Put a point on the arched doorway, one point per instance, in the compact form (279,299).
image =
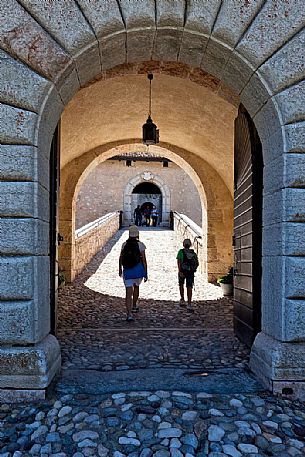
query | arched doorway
(147,187)
(147,195)
(268,79)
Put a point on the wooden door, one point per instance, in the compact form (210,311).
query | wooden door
(247,240)
(53,234)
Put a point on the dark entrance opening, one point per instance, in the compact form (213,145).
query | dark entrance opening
(147,194)
(53,227)
(146,188)
(248,199)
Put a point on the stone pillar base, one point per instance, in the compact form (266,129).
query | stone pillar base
(279,366)
(29,368)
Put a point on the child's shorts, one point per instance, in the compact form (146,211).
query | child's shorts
(132,282)
(188,278)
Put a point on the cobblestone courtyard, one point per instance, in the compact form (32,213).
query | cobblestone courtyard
(99,346)
(91,316)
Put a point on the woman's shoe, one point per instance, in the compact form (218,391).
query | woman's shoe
(190,309)
(129,319)
(182,302)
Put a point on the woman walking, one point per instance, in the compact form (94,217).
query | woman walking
(133,268)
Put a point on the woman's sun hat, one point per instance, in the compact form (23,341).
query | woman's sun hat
(133,231)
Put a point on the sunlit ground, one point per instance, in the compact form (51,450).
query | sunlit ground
(162,247)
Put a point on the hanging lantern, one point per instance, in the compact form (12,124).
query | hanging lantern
(150,131)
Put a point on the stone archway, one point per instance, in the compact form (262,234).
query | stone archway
(151,178)
(263,67)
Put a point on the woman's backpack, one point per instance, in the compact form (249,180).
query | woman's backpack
(190,260)
(131,254)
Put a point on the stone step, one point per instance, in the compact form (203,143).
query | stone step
(225,382)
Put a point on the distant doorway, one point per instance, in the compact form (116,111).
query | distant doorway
(147,195)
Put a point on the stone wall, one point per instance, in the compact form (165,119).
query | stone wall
(186,228)
(92,237)
(103,189)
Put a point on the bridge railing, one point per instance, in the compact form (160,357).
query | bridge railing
(187,228)
(91,237)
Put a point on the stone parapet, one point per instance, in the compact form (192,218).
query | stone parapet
(90,238)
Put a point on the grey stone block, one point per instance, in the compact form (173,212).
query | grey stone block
(292,103)
(17,163)
(273,360)
(22,396)
(17,125)
(48,119)
(113,50)
(272,240)
(287,66)
(30,367)
(294,239)
(68,88)
(138,14)
(104,17)
(295,137)
(140,45)
(237,73)
(255,94)
(295,320)
(16,278)
(192,48)
(274,25)
(64,21)
(41,310)
(167,44)
(268,120)
(234,19)
(19,85)
(24,237)
(294,205)
(23,163)
(215,58)
(273,175)
(170,13)
(273,147)
(273,295)
(295,279)
(200,16)
(22,36)
(24,199)
(88,63)
(283,239)
(273,208)
(294,170)
(16,322)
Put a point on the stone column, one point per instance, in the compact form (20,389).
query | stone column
(29,355)
(278,353)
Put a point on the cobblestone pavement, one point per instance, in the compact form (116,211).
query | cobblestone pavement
(91,316)
(160,424)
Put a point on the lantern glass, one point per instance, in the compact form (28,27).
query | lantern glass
(150,132)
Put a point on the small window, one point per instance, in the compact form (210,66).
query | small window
(165,164)
(128,163)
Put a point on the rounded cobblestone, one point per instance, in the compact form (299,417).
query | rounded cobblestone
(145,434)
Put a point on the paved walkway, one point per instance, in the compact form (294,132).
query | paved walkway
(91,315)
(102,408)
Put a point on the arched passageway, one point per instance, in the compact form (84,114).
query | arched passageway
(263,70)
(94,334)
